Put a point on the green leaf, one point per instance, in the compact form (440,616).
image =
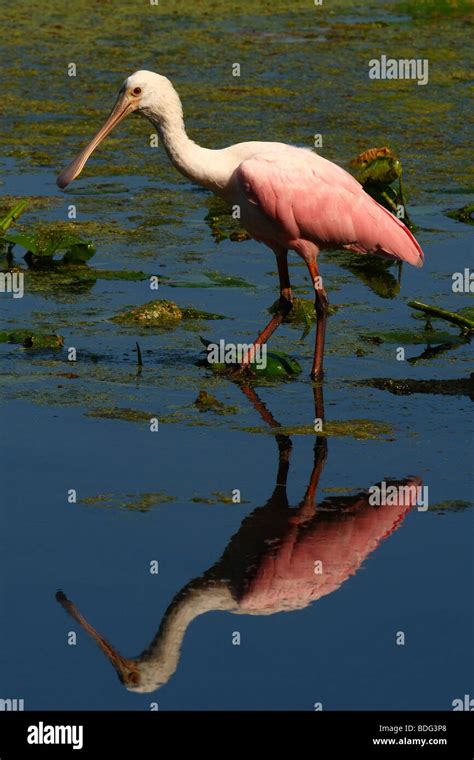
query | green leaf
(79,252)
(26,241)
(381,171)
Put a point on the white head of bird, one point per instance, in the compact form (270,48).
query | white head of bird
(144,92)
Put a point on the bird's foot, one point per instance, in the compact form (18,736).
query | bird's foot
(239,372)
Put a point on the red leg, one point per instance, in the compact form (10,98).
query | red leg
(321,306)
(284,306)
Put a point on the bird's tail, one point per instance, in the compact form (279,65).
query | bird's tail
(403,244)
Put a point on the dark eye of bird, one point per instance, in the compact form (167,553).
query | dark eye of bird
(137,90)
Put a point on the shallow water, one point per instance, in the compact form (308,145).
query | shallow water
(167,496)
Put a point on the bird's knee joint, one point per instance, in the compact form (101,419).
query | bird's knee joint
(285,304)
(321,304)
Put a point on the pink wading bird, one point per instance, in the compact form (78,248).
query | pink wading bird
(289,198)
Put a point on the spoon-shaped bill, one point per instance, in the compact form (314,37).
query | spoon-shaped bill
(122,107)
(127,669)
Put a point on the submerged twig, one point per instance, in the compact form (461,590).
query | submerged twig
(139,357)
(449,316)
(13,215)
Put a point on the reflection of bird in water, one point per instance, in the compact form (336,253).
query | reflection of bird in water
(281,559)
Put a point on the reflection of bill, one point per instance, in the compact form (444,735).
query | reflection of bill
(281,559)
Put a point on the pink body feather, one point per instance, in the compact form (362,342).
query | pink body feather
(306,198)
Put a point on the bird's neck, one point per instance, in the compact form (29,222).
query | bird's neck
(160,660)
(198,164)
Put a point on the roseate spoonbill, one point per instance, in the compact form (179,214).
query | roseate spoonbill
(269,564)
(289,198)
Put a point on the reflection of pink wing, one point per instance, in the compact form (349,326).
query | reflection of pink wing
(286,578)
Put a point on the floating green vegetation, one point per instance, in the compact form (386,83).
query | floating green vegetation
(132,275)
(453,505)
(190,313)
(302,311)
(117,413)
(206,402)
(458,386)
(48,240)
(31,338)
(426,9)
(59,277)
(141,502)
(161,313)
(214,280)
(414,338)
(217,497)
(222,224)
(46,273)
(362,430)
(464,214)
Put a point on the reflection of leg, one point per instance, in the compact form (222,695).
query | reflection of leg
(308,506)
(258,404)
(284,453)
(321,305)
(284,306)
(283,441)
(318,402)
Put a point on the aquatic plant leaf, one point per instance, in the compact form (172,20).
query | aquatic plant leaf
(464,214)
(78,252)
(47,245)
(367,156)
(381,171)
(19,238)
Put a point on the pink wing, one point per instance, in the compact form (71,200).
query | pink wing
(313,199)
